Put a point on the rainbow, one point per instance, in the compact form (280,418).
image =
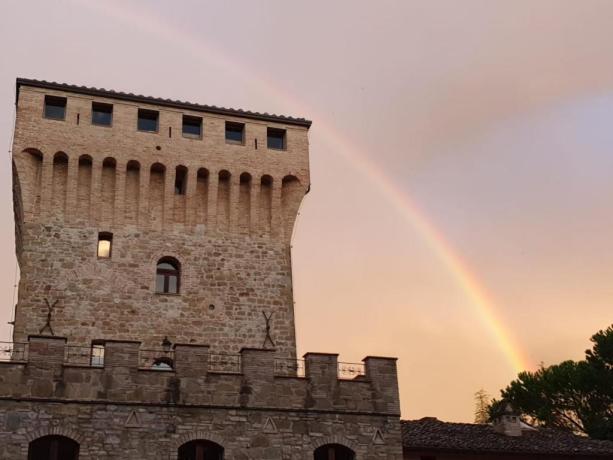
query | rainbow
(483,306)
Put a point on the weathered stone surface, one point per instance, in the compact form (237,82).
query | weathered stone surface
(230,232)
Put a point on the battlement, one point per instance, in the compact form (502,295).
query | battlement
(188,375)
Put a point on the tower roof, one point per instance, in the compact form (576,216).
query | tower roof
(102,92)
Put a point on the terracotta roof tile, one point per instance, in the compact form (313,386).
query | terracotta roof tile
(102,92)
(432,434)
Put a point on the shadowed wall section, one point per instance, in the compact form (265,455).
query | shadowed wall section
(202,196)
(84,189)
(244,204)
(60,179)
(223,201)
(109,168)
(265,208)
(132,192)
(157,185)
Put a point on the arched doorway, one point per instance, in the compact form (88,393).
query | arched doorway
(53,448)
(200,449)
(334,452)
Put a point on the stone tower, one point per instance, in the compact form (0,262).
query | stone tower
(155,315)
(213,191)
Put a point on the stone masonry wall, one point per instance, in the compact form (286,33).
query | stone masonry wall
(253,413)
(104,431)
(230,230)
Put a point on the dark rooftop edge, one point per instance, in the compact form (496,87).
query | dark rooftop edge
(430,434)
(101,92)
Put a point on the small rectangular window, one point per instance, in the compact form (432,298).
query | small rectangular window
(102,114)
(97,355)
(55,107)
(276,138)
(148,120)
(235,132)
(192,126)
(105,243)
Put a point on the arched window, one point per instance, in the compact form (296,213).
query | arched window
(200,449)
(334,452)
(53,448)
(168,276)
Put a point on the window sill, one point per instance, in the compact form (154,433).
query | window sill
(192,136)
(102,125)
(171,294)
(147,131)
(235,142)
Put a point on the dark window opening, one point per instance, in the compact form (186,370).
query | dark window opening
(102,114)
(97,355)
(105,245)
(180,180)
(276,138)
(192,126)
(53,448)
(334,452)
(235,132)
(201,450)
(167,276)
(148,120)
(55,107)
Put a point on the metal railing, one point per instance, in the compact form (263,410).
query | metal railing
(351,371)
(225,363)
(84,356)
(13,351)
(159,360)
(285,367)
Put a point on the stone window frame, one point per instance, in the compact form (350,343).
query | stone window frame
(235,124)
(192,118)
(105,236)
(144,111)
(167,274)
(53,97)
(102,105)
(272,130)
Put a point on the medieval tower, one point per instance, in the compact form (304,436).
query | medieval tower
(155,315)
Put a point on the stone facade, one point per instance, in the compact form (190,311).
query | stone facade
(103,359)
(230,230)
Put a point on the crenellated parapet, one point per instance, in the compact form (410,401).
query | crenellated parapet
(189,375)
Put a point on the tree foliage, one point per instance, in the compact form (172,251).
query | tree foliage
(573,395)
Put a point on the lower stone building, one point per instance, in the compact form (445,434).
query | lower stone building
(57,402)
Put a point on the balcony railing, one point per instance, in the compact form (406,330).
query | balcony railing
(225,363)
(289,367)
(13,351)
(84,356)
(159,360)
(351,371)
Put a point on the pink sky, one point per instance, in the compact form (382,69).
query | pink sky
(492,118)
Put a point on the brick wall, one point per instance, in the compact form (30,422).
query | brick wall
(230,230)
